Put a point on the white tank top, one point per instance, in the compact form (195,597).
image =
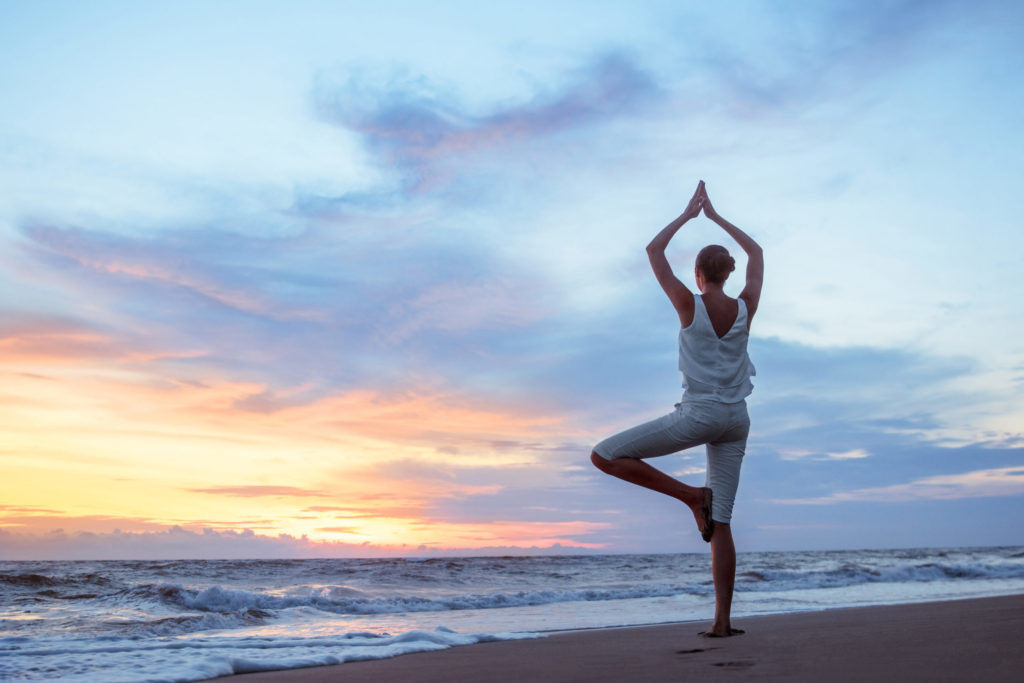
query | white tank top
(714,368)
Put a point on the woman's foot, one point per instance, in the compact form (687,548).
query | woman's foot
(701,510)
(722,633)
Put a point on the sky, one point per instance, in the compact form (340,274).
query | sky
(346,279)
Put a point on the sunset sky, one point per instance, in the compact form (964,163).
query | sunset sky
(326,278)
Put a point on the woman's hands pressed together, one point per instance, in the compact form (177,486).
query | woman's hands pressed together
(705,202)
(696,202)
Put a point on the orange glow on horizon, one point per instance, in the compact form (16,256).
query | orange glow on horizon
(95,446)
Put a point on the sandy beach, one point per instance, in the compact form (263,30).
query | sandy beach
(962,640)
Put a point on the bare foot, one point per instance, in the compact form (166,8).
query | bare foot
(722,633)
(702,514)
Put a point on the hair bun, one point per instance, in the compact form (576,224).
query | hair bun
(715,263)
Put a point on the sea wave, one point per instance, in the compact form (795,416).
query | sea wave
(345,600)
(179,608)
(172,659)
(187,623)
(226,600)
(851,574)
(32,580)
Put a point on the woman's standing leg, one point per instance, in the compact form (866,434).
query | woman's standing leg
(725,458)
(723,571)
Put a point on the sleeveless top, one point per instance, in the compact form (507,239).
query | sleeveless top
(713,368)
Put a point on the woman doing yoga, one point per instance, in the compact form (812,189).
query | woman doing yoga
(713,411)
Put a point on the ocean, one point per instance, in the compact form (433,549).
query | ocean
(195,619)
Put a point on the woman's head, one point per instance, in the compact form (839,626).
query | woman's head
(714,264)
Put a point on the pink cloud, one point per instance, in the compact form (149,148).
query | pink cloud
(123,260)
(175,542)
(259,491)
(1001,481)
(413,129)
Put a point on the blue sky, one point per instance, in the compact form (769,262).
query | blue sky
(368,279)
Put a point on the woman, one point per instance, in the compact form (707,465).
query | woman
(716,381)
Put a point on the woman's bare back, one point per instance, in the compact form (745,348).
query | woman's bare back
(722,310)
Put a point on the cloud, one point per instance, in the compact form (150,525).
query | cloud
(258,491)
(25,337)
(1002,481)
(854,454)
(416,128)
(458,307)
(47,523)
(305,314)
(802,56)
(182,260)
(10,510)
(271,401)
(175,542)
(837,401)
(338,510)
(798,453)
(30,337)
(427,418)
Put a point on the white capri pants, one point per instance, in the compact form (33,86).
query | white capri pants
(722,426)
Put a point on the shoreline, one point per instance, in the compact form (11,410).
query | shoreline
(582,629)
(954,640)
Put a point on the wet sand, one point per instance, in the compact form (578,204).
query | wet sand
(963,640)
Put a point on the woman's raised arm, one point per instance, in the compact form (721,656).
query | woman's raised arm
(678,293)
(751,293)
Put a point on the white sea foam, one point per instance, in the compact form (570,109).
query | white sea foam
(196,658)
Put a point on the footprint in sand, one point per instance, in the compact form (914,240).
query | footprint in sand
(734,665)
